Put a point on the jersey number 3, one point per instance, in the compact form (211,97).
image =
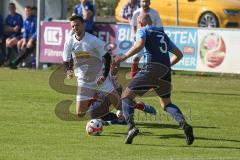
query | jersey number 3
(163,44)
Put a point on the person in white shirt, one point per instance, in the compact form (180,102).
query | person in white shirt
(156,21)
(91,65)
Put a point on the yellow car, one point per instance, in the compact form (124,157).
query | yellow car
(197,13)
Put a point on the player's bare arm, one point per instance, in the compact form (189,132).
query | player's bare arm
(177,56)
(138,46)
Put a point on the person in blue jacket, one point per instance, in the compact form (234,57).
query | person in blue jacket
(85,9)
(13,27)
(27,44)
(2,54)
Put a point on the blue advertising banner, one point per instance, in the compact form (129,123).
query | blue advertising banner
(123,39)
(186,39)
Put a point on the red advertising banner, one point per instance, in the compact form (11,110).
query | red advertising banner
(54,34)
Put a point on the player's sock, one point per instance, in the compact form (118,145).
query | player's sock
(27,52)
(175,112)
(145,108)
(117,121)
(128,111)
(93,106)
(134,69)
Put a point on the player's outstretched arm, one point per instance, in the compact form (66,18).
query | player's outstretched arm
(138,46)
(177,56)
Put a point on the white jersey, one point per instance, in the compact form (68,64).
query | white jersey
(87,55)
(156,21)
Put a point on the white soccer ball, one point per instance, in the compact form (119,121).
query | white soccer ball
(94,127)
(119,114)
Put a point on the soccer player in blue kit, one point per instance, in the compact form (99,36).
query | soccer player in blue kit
(155,74)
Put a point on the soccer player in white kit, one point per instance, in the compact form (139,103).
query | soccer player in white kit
(91,66)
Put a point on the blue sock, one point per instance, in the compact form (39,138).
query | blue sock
(128,111)
(175,112)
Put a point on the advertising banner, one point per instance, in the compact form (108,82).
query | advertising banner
(53,36)
(186,40)
(219,51)
(206,50)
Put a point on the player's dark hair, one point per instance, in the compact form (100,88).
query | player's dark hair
(76,17)
(28,7)
(34,8)
(12,4)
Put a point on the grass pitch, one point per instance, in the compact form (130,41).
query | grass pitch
(30,129)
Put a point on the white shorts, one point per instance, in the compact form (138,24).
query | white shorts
(86,90)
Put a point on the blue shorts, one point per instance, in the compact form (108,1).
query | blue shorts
(13,34)
(152,76)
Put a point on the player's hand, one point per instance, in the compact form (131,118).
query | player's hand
(15,29)
(69,74)
(118,59)
(100,80)
(30,43)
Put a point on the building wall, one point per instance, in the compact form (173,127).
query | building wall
(19,5)
(57,9)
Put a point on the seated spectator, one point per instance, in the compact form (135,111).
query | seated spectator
(85,9)
(2,54)
(128,9)
(1,28)
(13,26)
(27,44)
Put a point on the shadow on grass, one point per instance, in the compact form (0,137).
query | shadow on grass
(171,126)
(181,136)
(213,93)
(110,135)
(186,146)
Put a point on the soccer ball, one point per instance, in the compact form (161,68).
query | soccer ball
(94,127)
(119,114)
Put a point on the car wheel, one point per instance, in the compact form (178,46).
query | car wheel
(208,20)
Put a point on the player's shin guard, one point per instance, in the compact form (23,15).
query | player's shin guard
(175,112)
(128,111)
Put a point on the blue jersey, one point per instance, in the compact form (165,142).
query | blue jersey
(13,21)
(157,45)
(78,10)
(30,27)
